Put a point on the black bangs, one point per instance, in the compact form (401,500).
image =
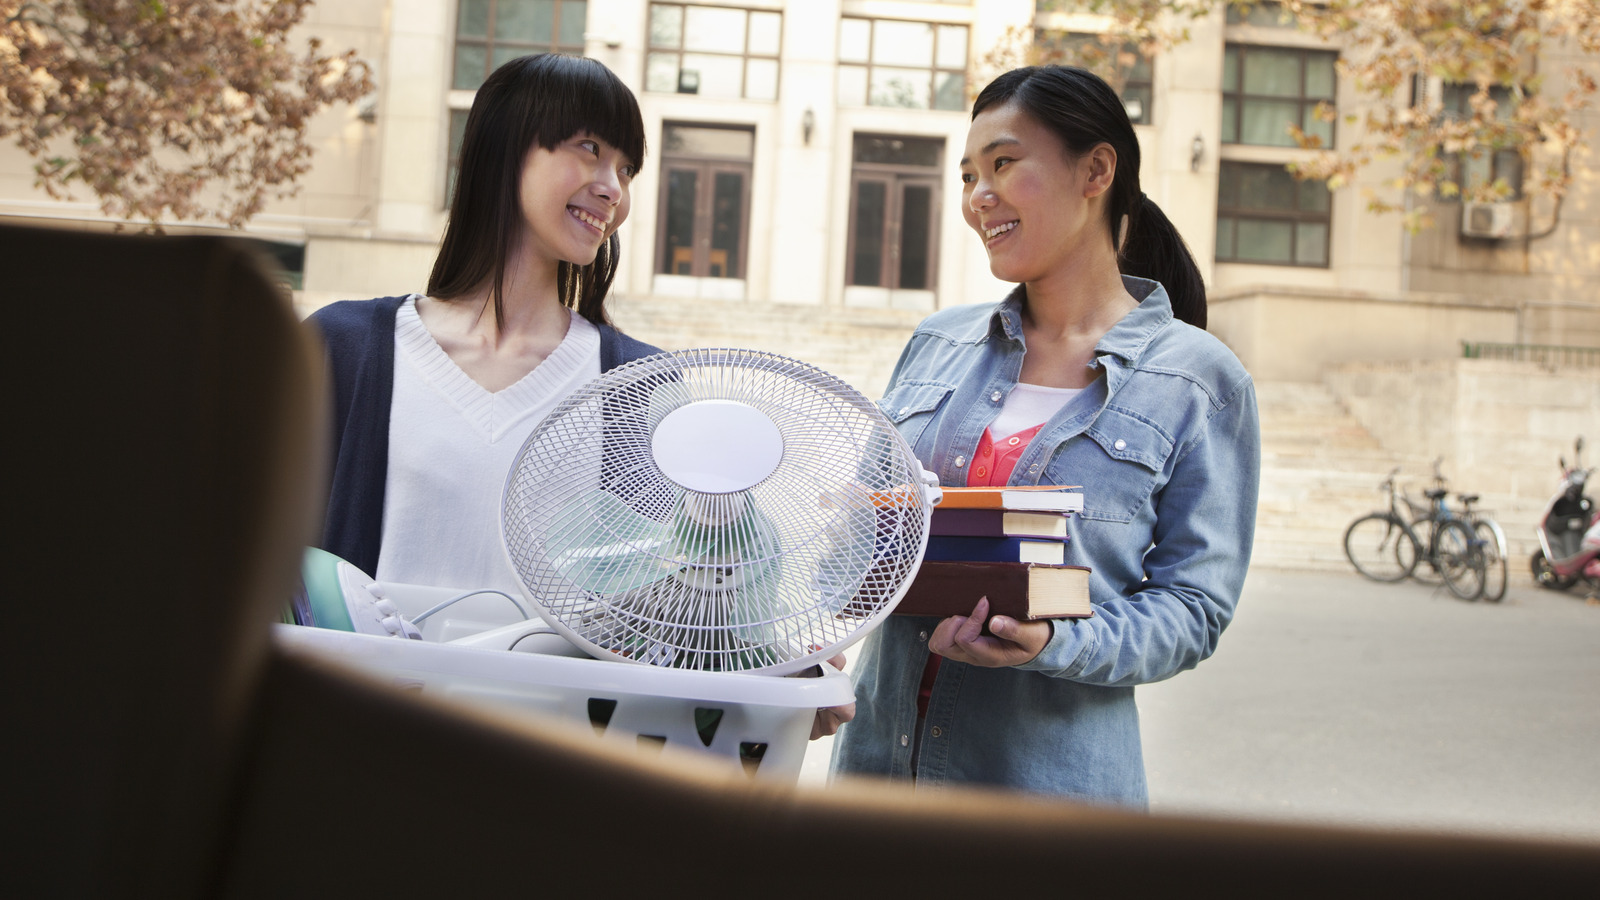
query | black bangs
(576,94)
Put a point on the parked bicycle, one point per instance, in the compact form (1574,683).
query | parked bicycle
(1389,545)
(1492,546)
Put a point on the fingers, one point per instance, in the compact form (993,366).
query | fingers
(827,721)
(973,626)
(837,661)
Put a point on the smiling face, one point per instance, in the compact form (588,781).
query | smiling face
(1033,204)
(574,196)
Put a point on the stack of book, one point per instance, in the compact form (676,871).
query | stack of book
(1005,543)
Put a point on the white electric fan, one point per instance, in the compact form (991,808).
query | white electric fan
(716,510)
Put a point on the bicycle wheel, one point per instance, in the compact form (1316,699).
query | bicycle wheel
(1494,560)
(1459,560)
(1378,546)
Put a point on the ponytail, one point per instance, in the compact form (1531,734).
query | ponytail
(1153,249)
(1084,111)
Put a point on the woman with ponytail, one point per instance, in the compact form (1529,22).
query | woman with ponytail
(435,393)
(1095,371)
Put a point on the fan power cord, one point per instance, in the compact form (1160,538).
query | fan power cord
(521,607)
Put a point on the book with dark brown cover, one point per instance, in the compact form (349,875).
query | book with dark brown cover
(1024,591)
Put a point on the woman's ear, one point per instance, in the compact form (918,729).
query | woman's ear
(1101,163)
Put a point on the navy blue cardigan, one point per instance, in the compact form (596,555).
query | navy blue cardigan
(360,339)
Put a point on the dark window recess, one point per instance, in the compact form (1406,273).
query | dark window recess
(288,261)
(894,212)
(1265,216)
(705,201)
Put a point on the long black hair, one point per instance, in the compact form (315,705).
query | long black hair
(545,98)
(1083,111)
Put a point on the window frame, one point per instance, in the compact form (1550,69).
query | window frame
(745,56)
(1501,95)
(1291,218)
(1042,36)
(489,42)
(1306,104)
(933,68)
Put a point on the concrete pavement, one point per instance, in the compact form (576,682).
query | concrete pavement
(1333,699)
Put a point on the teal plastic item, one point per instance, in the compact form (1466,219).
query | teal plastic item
(319,570)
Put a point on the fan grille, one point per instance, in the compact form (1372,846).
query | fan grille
(628,563)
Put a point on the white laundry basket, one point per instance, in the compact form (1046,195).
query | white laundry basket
(758,723)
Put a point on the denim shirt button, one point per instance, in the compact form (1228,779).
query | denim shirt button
(905,740)
(936,731)
(1120,444)
(961,461)
(922,635)
(996,396)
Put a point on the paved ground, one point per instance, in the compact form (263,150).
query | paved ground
(1334,699)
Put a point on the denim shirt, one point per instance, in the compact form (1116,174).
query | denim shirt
(1166,447)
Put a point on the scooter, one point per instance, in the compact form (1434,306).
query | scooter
(1569,531)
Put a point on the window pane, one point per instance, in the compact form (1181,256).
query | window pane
(1224,238)
(1508,165)
(900,87)
(854,38)
(1267,122)
(1267,187)
(761,79)
(666,26)
(727,223)
(525,20)
(458,129)
(1263,241)
(1315,127)
(1319,75)
(720,76)
(1272,72)
(1230,120)
(902,43)
(471,62)
(474,21)
(868,258)
(916,218)
(661,72)
(897,151)
(952,92)
(574,19)
(710,28)
(1228,178)
(726,143)
(952,48)
(1314,196)
(1475,169)
(1230,70)
(765,31)
(502,55)
(677,256)
(1311,244)
(1140,68)
(1136,100)
(852,86)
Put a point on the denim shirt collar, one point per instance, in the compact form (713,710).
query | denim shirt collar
(1126,340)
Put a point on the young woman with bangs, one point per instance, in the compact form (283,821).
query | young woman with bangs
(1095,371)
(435,393)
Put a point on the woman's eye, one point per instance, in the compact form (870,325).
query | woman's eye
(1000,161)
(629,171)
(590,146)
(968,178)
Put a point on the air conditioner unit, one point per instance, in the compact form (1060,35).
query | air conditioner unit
(1485,220)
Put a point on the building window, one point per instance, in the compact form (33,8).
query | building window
(916,65)
(1123,66)
(1483,165)
(1262,15)
(714,51)
(1267,89)
(458,131)
(1265,216)
(705,200)
(490,33)
(894,212)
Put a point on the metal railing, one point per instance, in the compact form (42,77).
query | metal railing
(1543,354)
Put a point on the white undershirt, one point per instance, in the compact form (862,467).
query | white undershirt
(1028,405)
(451,444)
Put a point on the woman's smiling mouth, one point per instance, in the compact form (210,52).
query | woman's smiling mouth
(990,234)
(588,219)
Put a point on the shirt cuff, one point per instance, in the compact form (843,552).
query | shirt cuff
(1067,653)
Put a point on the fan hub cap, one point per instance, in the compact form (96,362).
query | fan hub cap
(717,446)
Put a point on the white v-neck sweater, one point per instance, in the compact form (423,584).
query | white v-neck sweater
(451,444)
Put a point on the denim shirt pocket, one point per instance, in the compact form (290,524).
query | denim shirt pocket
(1122,463)
(912,405)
